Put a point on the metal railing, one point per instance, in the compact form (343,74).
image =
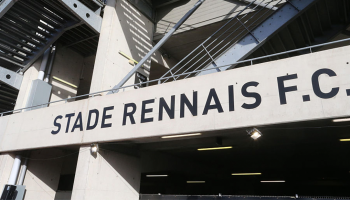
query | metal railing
(219,42)
(234,197)
(251,61)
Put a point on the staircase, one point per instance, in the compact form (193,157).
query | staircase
(29,27)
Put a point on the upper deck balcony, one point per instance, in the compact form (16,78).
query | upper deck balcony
(76,61)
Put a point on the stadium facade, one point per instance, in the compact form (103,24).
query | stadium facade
(174,99)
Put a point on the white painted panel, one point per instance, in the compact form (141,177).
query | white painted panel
(33,129)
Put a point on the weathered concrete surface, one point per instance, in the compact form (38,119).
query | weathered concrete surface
(33,129)
(42,176)
(126,30)
(106,175)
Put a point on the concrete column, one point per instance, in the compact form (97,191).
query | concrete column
(31,74)
(106,175)
(43,174)
(65,75)
(15,170)
(6,163)
(126,30)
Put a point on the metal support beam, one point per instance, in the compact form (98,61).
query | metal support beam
(91,19)
(259,3)
(5,5)
(54,38)
(77,42)
(157,46)
(248,44)
(11,78)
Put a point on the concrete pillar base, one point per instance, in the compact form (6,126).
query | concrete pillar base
(6,162)
(106,175)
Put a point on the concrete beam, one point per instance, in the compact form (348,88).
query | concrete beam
(11,78)
(88,16)
(5,6)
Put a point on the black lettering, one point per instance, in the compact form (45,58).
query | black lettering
(129,114)
(164,105)
(78,123)
(58,125)
(251,94)
(282,89)
(69,116)
(90,127)
(316,84)
(231,101)
(105,116)
(192,107)
(217,104)
(144,111)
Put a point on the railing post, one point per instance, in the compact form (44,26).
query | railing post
(172,74)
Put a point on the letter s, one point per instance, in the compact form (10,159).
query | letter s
(255,95)
(58,125)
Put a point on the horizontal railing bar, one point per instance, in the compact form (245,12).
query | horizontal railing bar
(217,31)
(192,72)
(228,43)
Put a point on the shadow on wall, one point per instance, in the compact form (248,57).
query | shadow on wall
(138,31)
(125,168)
(43,175)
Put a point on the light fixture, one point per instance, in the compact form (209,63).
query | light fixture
(281,181)
(94,148)
(341,120)
(245,174)
(344,140)
(195,181)
(254,133)
(156,175)
(214,148)
(183,135)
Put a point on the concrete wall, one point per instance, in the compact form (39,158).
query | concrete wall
(33,129)
(43,175)
(68,67)
(63,195)
(86,75)
(106,175)
(28,76)
(124,29)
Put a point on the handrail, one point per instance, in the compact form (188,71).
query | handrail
(246,22)
(157,46)
(178,75)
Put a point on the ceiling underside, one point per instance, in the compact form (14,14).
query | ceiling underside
(320,23)
(307,155)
